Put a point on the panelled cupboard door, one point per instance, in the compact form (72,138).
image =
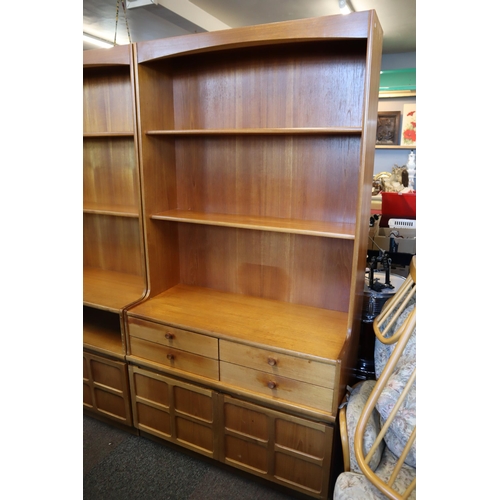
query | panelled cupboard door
(182,413)
(105,388)
(288,450)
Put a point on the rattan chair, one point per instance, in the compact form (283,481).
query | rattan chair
(378,419)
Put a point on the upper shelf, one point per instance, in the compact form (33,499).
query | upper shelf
(107,134)
(306,227)
(380,146)
(263,131)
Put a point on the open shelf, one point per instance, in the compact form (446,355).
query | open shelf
(102,332)
(107,134)
(111,290)
(251,320)
(292,226)
(396,147)
(110,210)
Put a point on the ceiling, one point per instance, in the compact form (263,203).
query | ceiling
(153,19)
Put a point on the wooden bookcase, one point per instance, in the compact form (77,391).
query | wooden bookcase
(114,273)
(256,154)
(236,325)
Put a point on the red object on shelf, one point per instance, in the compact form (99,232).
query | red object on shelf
(398,206)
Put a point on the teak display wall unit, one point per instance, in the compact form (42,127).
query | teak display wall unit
(114,269)
(256,150)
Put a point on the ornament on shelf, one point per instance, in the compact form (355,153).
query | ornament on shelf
(412,170)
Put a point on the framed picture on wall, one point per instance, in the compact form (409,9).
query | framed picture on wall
(388,128)
(409,128)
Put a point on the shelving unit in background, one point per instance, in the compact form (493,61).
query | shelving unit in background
(114,265)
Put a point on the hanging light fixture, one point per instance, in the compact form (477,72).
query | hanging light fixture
(344,7)
(98,42)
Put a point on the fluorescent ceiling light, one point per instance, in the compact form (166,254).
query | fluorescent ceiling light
(344,7)
(97,41)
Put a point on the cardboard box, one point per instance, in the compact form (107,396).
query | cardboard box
(404,240)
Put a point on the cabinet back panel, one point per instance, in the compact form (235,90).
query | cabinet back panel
(315,84)
(292,268)
(287,177)
(109,173)
(107,100)
(112,243)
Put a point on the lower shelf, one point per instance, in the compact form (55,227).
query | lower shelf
(111,290)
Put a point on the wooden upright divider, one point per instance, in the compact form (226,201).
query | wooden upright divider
(256,150)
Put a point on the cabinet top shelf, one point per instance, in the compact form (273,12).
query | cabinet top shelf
(312,332)
(358,25)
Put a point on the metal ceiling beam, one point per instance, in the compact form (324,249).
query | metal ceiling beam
(194,14)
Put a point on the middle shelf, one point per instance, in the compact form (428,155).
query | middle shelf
(274,224)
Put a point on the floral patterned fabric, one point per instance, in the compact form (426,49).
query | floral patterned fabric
(357,401)
(405,421)
(354,485)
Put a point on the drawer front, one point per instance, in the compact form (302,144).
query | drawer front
(277,387)
(175,358)
(174,337)
(285,365)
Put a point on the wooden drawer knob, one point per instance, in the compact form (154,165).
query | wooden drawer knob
(272,361)
(170,357)
(272,385)
(169,336)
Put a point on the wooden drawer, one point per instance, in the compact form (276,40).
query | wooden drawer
(174,337)
(284,365)
(276,386)
(175,358)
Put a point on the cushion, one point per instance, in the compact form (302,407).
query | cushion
(405,420)
(354,486)
(357,401)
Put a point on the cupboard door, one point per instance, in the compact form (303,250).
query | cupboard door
(288,450)
(173,410)
(106,388)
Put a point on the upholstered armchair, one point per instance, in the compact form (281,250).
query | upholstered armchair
(378,418)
